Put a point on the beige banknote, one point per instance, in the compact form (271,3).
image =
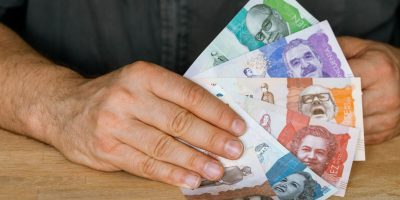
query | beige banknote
(337,100)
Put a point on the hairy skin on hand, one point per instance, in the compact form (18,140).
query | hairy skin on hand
(132,119)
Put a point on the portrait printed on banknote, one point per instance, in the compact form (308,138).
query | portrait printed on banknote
(291,180)
(337,100)
(327,148)
(320,101)
(312,57)
(313,52)
(323,151)
(334,99)
(258,23)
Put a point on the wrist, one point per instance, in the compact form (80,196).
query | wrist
(31,87)
(45,114)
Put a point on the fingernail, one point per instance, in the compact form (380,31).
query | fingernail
(212,170)
(192,181)
(238,127)
(234,148)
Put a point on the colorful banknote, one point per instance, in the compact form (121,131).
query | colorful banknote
(242,178)
(258,23)
(313,52)
(326,148)
(336,100)
(287,176)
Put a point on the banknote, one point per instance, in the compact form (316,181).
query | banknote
(288,178)
(258,23)
(336,100)
(242,178)
(326,148)
(313,52)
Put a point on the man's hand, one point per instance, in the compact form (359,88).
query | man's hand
(135,119)
(131,119)
(378,65)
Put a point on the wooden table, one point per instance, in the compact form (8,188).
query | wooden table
(32,170)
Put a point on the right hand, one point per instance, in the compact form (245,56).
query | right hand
(131,119)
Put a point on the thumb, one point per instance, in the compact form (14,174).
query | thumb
(352,46)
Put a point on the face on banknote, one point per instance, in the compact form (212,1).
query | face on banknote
(326,148)
(313,52)
(288,178)
(258,23)
(335,100)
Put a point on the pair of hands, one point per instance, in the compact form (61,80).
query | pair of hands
(131,119)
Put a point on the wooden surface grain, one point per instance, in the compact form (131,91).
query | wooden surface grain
(32,170)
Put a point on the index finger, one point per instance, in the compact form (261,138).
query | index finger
(197,100)
(351,46)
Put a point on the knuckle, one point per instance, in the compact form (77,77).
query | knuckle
(214,141)
(140,70)
(116,99)
(386,66)
(368,126)
(389,122)
(103,146)
(374,69)
(379,139)
(119,90)
(119,93)
(151,75)
(149,167)
(387,69)
(139,65)
(391,103)
(195,95)
(372,141)
(176,176)
(193,161)
(114,95)
(225,115)
(107,120)
(181,122)
(163,147)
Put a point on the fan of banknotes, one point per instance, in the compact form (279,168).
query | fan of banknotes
(283,71)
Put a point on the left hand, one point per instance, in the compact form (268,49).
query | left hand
(378,65)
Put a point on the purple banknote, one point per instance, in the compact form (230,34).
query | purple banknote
(313,52)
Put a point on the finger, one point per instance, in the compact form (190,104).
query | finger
(197,100)
(182,124)
(380,122)
(379,137)
(370,100)
(362,68)
(137,163)
(379,101)
(163,147)
(352,46)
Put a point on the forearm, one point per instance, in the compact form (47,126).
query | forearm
(108,123)
(30,87)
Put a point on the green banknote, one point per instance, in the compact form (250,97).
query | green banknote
(258,23)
